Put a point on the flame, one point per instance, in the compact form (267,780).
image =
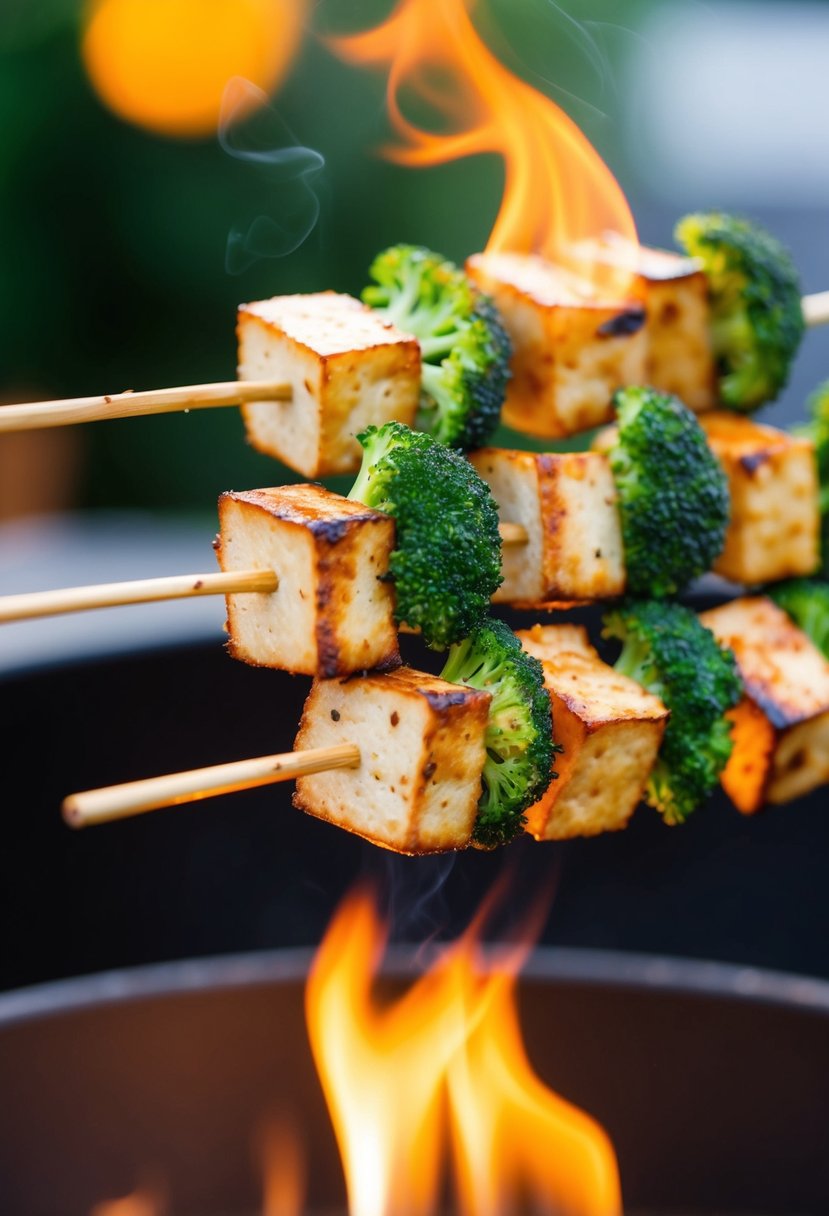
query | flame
(165,64)
(558,192)
(139,1203)
(283,1172)
(443,1063)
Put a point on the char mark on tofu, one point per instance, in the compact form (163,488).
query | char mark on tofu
(519,730)
(464,347)
(673,493)
(667,650)
(756,314)
(446,563)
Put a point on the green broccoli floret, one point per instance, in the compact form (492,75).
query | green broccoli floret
(464,346)
(519,732)
(673,493)
(817,430)
(668,651)
(806,601)
(447,560)
(756,314)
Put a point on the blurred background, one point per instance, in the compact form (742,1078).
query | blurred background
(136,214)
(140,202)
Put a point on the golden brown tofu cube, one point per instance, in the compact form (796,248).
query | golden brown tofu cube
(331,613)
(609,727)
(567,504)
(421,741)
(571,351)
(680,358)
(786,682)
(774,532)
(347,369)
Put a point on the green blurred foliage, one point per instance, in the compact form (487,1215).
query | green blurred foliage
(114,266)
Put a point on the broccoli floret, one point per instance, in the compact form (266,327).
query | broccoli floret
(756,314)
(806,601)
(673,493)
(464,346)
(519,732)
(817,430)
(447,560)
(668,651)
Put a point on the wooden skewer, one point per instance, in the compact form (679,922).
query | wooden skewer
(34,604)
(816,308)
(175,789)
(142,591)
(35,415)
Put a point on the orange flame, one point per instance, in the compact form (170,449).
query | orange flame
(446,1057)
(139,1203)
(558,192)
(283,1161)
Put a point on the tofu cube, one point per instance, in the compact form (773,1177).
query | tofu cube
(774,531)
(679,357)
(567,504)
(421,740)
(332,613)
(347,369)
(781,733)
(571,351)
(610,729)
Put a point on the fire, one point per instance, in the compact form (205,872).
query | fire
(139,1203)
(559,195)
(444,1064)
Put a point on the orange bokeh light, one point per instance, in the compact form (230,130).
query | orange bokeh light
(165,64)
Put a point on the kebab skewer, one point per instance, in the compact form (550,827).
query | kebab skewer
(719,327)
(387,788)
(651,508)
(673,716)
(317,370)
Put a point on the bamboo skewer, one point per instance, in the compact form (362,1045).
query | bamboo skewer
(142,591)
(816,308)
(175,789)
(34,604)
(35,415)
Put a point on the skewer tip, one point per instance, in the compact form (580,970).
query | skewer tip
(71,813)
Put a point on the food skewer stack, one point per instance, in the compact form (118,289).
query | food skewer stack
(420,763)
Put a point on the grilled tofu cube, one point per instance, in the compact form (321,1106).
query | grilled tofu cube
(421,740)
(347,369)
(610,729)
(781,731)
(774,531)
(679,357)
(570,350)
(332,613)
(567,503)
